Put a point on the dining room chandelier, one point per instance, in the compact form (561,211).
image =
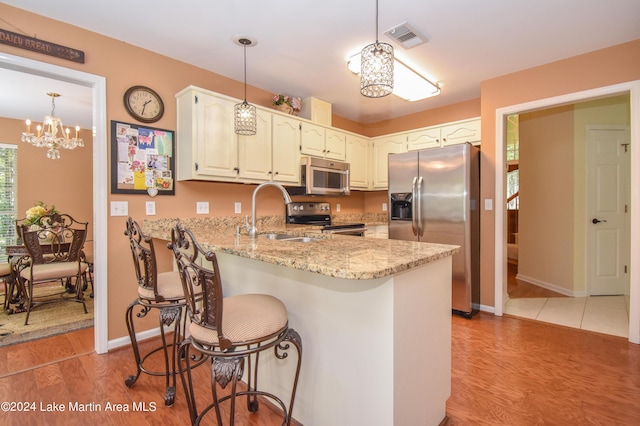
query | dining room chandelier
(52,134)
(244,113)
(376,76)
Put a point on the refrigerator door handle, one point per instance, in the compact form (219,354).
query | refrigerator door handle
(418,203)
(414,228)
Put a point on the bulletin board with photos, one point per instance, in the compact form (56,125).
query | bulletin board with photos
(142,159)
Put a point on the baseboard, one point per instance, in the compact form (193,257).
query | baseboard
(489,309)
(125,341)
(552,287)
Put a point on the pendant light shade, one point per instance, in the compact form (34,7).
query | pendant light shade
(244,113)
(376,74)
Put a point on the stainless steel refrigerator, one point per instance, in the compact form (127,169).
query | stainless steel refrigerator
(434,197)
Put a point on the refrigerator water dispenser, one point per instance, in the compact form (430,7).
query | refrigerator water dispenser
(401,205)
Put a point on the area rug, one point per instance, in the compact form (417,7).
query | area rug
(45,320)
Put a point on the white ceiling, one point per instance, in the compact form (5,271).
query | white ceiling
(303,45)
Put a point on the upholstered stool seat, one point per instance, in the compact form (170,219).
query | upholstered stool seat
(230,332)
(245,318)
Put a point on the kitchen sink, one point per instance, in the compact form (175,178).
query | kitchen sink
(288,237)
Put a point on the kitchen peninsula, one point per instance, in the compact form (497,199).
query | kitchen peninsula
(374,316)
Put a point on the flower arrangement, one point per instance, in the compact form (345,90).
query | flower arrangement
(37,211)
(294,103)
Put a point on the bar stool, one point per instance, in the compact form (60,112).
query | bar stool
(162,291)
(229,331)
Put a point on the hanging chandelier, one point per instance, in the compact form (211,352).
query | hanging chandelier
(244,113)
(48,136)
(376,77)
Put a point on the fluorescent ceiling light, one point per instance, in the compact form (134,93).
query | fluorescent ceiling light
(407,84)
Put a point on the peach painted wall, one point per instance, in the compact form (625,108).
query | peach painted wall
(546,216)
(66,183)
(605,67)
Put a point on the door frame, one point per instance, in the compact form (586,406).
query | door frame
(100,183)
(500,264)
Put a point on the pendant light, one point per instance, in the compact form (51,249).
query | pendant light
(376,76)
(244,113)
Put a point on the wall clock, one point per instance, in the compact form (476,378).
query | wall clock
(143,104)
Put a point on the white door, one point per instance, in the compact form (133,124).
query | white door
(607,208)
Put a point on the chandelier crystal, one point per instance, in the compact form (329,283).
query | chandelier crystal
(376,74)
(48,136)
(245,114)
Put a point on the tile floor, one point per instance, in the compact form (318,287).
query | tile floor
(602,314)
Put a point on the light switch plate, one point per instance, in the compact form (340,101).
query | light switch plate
(202,207)
(238,207)
(338,208)
(119,208)
(151,208)
(488,204)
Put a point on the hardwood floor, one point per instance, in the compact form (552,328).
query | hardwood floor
(505,371)
(520,289)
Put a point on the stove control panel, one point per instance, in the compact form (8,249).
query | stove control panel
(308,209)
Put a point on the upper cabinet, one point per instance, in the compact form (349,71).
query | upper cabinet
(358,153)
(444,135)
(461,132)
(286,149)
(318,141)
(382,147)
(208,145)
(209,148)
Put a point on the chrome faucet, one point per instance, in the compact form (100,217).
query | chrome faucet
(253,231)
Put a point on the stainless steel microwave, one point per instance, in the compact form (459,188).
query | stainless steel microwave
(322,177)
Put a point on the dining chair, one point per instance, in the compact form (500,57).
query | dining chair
(162,292)
(54,246)
(6,275)
(229,332)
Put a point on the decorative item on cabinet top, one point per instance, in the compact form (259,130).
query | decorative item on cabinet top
(142,159)
(287,104)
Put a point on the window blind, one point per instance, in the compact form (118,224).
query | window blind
(8,197)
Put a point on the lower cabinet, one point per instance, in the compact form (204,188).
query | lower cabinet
(377,231)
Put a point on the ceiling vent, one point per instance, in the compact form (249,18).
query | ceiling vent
(405,35)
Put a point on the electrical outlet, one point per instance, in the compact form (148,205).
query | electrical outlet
(338,208)
(151,208)
(119,208)
(202,207)
(384,207)
(238,207)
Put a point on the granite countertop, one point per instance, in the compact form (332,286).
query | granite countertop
(332,255)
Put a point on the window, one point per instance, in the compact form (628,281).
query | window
(8,197)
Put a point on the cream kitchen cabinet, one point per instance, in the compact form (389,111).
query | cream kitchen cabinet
(273,153)
(377,231)
(461,132)
(448,134)
(423,139)
(318,141)
(382,147)
(358,153)
(286,149)
(208,147)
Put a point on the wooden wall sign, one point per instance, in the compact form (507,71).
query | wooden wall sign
(35,45)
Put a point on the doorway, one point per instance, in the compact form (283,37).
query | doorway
(633,88)
(100,152)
